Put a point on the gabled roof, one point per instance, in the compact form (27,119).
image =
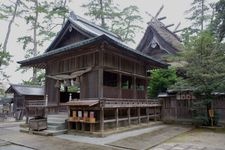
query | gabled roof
(84,26)
(70,48)
(26,90)
(156,32)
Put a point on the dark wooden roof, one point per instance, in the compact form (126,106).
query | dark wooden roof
(84,26)
(41,59)
(166,41)
(94,34)
(25,90)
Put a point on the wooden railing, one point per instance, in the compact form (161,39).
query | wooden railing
(117,102)
(36,103)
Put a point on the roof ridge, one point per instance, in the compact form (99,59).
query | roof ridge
(83,20)
(25,85)
(162,25)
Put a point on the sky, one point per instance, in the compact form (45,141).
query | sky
(174,10)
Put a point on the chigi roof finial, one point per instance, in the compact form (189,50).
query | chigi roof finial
(73,15)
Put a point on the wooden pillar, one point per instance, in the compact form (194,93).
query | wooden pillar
(128,115)
(134,88)
(147,114)
(27,116)
(120,85)
(139,115)
(154,113)
(146,84)
(100,71)
(102,119)
(117,117)
(100,83)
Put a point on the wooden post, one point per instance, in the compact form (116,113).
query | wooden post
(117,117)
(147,113)
(154,113)
(134,88)
(120,85)
(100,71)
(100,83)
(27,115)
(102,119)
(128,114)
(139,114)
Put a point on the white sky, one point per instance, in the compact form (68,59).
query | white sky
(173,10)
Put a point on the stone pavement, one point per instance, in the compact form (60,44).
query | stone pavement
(111,138)
(23,141)
(175,146)
(150,139)
(160,137)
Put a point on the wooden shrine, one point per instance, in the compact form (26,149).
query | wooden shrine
(101,80)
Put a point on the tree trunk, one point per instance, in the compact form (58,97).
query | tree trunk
(10,25)
(102,15)
(35,26)
(202,16)
(64,18)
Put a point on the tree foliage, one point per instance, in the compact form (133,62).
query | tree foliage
(204,58)
(205,71)
(42,18)
(124,22)
(198,14)
(160,80)
(218,24)
(129,25)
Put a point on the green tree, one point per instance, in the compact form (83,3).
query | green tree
(129,25)
(198,14)
(124,22)
(8,12)
(4,62)
(205,71)
(102,11)
(218,24)
(42,18)
(160,80)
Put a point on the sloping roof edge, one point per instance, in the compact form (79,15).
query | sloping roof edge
(13,87)
(87,42)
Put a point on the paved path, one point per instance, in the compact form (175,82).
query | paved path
(110,138)
(150,139)
(23,141)
(175,146)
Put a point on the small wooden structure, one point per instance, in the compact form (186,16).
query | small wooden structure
(110,77)
(23,94)
(177,105)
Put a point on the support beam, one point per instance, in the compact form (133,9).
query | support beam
(120,85)
(102,119)
(147,114)
(134,87)
(117,117)
(128,115)
(154,113)
(100,83)
(139,114)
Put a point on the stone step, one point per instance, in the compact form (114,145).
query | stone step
(44,132)
(56,120)
(56,123)
(58,116)
(53,127)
